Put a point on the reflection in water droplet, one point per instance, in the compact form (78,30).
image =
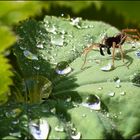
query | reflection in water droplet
(59,129)
(57,40)
(111,94)
(39,128)
(123,93)
(30,55)
(92,102)
(40,46)
(77,136)
(63,68)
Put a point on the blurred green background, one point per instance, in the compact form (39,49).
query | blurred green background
(121,14)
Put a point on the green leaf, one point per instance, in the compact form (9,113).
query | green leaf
(5,79)
(14,11)
(7,38)
(56,42)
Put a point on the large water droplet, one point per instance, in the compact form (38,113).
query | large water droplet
(39,128)
(30,55)
(92,102)
(57,40)
(63,68)
(107,67)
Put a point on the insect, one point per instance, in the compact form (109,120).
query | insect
(113,42)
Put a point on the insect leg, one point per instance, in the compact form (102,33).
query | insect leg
(122,56)
(113,53)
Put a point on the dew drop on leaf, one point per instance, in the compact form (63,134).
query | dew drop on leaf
(92,102)
(40,46)
(77,136)
(37,67)
(100,88)
(50,28)
(30,55)
(57,40)
(59,128)
(111,94)
(63,68)
(53,110)
(122,93)
(15,122)
(76,22)
(15,134)
(137,54)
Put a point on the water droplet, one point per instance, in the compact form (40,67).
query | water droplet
(100,88)
(57,40)
(40,46)
(84,115)
(97,61)
(107,115)
(117,80)
(63,68)
(30,55)
(14,113)
(53,110)
(15,122)
(15,134)
(50,28)
(118,86)
(37,67)
(68,99)
(39,128)
(123,93)
(92,102)
(107,67)
(111,94)
(59,129)
(76,22)
(77,136)
(138,54)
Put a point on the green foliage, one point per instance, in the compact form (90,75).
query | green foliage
(43,45)
(121,14)
(11,13)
